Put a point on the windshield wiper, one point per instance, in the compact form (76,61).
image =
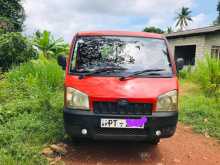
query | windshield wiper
(100,70)
(140,72)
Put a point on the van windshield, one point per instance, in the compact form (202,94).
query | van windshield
(130,53)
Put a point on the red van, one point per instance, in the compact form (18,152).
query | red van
(120,86)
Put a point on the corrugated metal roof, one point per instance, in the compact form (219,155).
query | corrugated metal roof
(191,32)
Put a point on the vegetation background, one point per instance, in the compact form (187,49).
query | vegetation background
(31,89)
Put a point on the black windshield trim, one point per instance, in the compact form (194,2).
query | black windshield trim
(100,70)
(152,71)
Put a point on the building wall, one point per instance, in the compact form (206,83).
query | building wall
(212,40)
(199,41)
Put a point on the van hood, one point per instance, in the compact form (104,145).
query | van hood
(112,88)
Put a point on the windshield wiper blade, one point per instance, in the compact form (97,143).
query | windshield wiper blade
(140,72)
(100,70)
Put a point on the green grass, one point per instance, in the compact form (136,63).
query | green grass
(199,111)
(31,101)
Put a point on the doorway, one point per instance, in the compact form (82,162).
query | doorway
(187,52)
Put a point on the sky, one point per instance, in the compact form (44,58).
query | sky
(66,17)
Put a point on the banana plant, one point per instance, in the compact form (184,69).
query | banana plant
(49,46)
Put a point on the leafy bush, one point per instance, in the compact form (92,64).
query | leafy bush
(14,49)
(31,101)
(207,75)
(6,25)
(2,31)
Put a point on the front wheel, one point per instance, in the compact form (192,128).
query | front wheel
(76,140)
(154,141)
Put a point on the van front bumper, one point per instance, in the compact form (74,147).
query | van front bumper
(76,120)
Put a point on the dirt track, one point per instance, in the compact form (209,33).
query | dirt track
(184,148)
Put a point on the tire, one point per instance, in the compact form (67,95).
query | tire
(154,141)
(76,140)
(79,141)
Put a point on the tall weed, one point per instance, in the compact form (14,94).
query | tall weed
(185,72)
(30,85)
(31,101)
(207,74)
(199,111)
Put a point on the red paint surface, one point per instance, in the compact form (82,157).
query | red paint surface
(121,33)
(111,88)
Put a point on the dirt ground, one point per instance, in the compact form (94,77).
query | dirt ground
(184,148)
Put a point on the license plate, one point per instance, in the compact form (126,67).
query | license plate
(119,123)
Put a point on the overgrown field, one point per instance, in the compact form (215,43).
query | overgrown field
(31,100)
(199,111)
(200,96)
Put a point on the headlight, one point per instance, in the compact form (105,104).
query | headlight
(167,101)
(76,99)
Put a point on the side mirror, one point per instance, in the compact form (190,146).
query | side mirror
(61,60)
(179,64)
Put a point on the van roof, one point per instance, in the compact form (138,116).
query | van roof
(120,33)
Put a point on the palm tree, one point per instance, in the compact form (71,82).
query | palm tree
(183,18)
(49,46)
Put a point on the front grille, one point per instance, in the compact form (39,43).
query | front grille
(127,109)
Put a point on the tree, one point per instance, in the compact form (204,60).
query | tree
(13,12)
(183,18)
(15,49)
(49,46)
(153,30)
(6,25)
(169,30)
(217,21)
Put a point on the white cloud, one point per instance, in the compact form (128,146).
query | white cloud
(66,17)
(198,21)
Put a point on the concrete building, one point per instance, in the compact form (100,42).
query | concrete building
(193,44)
